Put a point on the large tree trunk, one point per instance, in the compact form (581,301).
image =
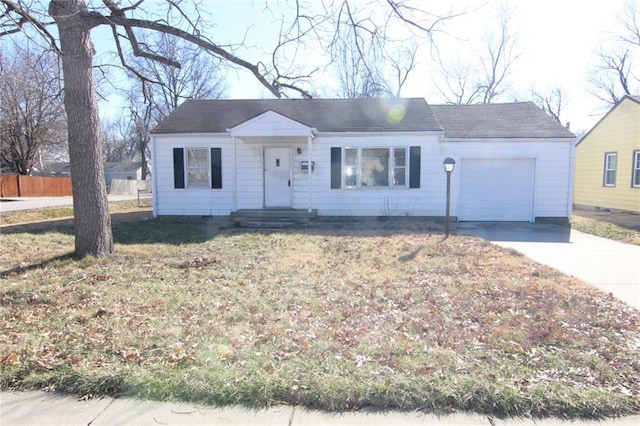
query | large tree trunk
(92,222)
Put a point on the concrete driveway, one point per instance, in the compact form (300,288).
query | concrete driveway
(611,266)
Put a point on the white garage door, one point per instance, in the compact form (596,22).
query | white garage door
(496,189)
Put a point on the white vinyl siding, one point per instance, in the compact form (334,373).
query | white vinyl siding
(169,200)
(551,180)
(243,175)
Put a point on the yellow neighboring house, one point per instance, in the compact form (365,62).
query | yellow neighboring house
(607,165)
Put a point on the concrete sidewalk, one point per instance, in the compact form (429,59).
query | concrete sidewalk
(41,408)
(611,266)
(30,203)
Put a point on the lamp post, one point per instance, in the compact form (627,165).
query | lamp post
(449,164)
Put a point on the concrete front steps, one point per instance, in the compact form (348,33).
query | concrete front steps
(272,218)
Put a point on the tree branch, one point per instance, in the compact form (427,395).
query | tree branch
(198,41)
(133,41)
(27,18)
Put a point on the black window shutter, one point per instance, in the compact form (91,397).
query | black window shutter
(414,167)
(178,167)
(336,167)
(216,168)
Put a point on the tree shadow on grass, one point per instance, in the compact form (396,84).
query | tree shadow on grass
(140,228)
(174,230)
(19,270)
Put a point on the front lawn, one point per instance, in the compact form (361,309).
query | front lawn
(604,225)
(337,317)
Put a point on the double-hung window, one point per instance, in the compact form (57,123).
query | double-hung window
(381,167)
(635,182)
(610,168)
(399,166)
(197,167)
(374,167)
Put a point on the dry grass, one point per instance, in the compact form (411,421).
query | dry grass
(335,317)
(66,212)
(618,226)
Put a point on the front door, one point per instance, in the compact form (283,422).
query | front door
(277,177)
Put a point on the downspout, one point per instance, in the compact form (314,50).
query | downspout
(235,174)
(309,167)
(572,160)
(154,177)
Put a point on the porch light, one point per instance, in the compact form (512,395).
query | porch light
(449,164)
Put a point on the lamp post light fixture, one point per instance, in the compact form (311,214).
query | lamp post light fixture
(449,164)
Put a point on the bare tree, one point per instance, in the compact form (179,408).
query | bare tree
(552,103)
(457,86)
(615,73)
(114,143)
(161,88)
(612,77)
(630,18)
(137,128)
(483,75)
(75,20)
(401,66)
(32,120)
(498,61)
(359,76)
(165,87)
(127,138)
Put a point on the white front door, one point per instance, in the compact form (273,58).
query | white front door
(277,177)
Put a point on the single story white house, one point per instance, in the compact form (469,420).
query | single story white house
(362,157)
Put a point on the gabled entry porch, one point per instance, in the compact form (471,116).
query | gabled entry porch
(270,151)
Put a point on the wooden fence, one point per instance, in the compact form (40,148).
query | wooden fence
(34,186)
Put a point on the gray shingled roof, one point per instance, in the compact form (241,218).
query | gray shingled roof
(514,120)
(325,115)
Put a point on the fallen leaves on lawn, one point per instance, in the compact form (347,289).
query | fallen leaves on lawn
(394,307)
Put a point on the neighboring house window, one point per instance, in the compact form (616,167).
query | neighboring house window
(610,166)
(375,167)
(636,169)
(197,168)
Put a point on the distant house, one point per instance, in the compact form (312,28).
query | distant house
(122,170)
(60,168)
(362,157)
(112,170)
(607,171)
